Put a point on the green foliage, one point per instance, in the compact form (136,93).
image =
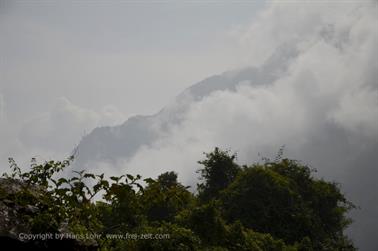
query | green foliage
(165,197)
(273,206)
(178,238)
(219,170)
(283,199)
(206,221)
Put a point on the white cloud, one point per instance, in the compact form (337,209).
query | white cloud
(8,135)
(328,84)
(324,108)
(2,108)
(53,134)
(291,22)
(358,112)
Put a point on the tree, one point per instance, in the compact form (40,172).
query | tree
(168,180)
(170,237)
(284,200)
(207,222)
(164,197)
(276,206)
(219,170)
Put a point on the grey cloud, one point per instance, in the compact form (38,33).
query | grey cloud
(312,87)
(321,102)
(53,134)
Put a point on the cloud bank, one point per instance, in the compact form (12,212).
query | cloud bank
(331,83)
(53,134)
(323,108)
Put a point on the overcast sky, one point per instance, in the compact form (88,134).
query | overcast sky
(67,67)
(107,60)
(129,54)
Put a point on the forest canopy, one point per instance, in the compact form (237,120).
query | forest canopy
(273,205)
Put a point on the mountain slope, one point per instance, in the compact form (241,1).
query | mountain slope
(315,107)
(123,141)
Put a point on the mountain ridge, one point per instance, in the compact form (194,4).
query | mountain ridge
(122,141)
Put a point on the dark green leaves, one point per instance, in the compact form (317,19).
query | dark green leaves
(277,205)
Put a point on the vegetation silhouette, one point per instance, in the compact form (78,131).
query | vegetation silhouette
(274,205)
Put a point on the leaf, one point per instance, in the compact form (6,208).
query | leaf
(140,187)
(149,181)
(61,181)
(97,187)
(89,175)
(105,184)
(80,173)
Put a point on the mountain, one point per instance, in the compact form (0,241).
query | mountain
(309,120)
(123,141)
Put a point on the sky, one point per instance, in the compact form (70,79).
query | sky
(323,106)
(107,60)
(68,67)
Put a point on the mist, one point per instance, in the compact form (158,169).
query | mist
(303,76)
(323,107)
